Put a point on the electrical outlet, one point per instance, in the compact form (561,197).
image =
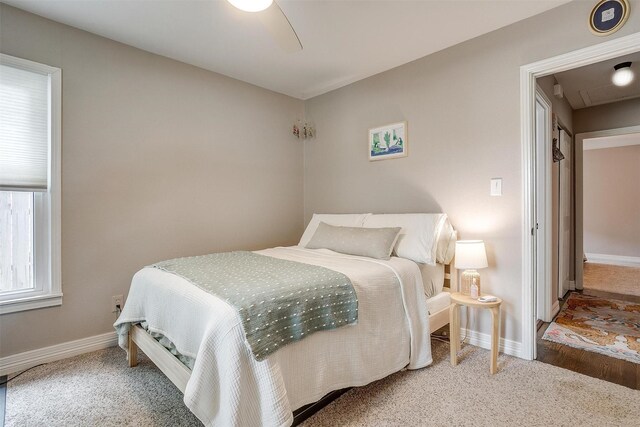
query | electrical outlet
(116,301)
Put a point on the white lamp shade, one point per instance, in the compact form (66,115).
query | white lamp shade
(251,5)
(470,254)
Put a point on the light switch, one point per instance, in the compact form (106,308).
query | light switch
(496,186)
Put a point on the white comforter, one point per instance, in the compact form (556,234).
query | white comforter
(229,387)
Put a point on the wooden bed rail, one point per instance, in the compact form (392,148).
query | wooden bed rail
(175,370)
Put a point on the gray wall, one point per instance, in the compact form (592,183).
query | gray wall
(160,159)
(612,201)
(463,111)
(608,116)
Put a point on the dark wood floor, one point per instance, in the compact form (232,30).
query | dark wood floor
(587,362)
(3,398)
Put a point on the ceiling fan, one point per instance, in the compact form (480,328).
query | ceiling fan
(274,20)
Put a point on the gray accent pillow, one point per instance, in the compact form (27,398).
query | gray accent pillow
(370,242)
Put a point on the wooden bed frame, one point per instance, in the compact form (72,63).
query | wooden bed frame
(179,374)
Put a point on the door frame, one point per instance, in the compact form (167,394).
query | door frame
(528,74)
(579,162)
(544,180)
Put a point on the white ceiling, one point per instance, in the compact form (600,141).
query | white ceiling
(591,85)
(344,40)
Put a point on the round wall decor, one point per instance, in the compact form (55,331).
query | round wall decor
(608,16)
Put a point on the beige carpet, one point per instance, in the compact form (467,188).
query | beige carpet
(96,389)
(99,390)
(522,393)
(612,278)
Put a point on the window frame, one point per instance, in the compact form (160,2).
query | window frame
(47,207)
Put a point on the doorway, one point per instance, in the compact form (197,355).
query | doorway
(569,339)
(536,213)
(602,256)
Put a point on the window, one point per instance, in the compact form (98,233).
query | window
(30,95)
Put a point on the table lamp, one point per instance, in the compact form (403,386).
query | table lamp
(470,255)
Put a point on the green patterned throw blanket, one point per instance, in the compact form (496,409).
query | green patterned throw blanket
(279,301)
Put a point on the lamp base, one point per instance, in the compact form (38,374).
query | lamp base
(467,279)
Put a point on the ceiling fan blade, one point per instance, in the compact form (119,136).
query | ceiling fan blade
(280,28)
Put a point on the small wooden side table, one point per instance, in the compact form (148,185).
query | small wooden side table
(458,299)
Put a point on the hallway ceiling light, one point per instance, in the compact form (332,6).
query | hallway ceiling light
(251,5)
(623,75)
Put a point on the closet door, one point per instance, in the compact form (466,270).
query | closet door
(564,230)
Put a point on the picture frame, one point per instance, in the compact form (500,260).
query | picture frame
(388,141)
(608,16)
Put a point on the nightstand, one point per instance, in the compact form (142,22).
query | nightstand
(458,299)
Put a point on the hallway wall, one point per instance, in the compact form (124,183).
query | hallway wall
(612,201)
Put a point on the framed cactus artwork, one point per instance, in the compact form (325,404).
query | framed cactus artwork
(388,142)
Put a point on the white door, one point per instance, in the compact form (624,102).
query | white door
(564,231)
(542,195)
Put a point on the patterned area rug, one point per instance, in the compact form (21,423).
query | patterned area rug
(606,326)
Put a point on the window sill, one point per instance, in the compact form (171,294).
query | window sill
(30,303)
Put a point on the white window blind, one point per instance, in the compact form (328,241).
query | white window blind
(24,129)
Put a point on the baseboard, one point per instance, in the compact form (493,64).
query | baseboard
(628,261)
(482,340)
(555,309)
(28,359)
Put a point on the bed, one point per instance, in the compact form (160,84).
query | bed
(198,342)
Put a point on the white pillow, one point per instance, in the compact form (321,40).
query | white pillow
(344,220)
(418,239)
(446,243)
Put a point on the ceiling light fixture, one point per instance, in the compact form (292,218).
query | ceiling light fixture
(251,5)
(623,75)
